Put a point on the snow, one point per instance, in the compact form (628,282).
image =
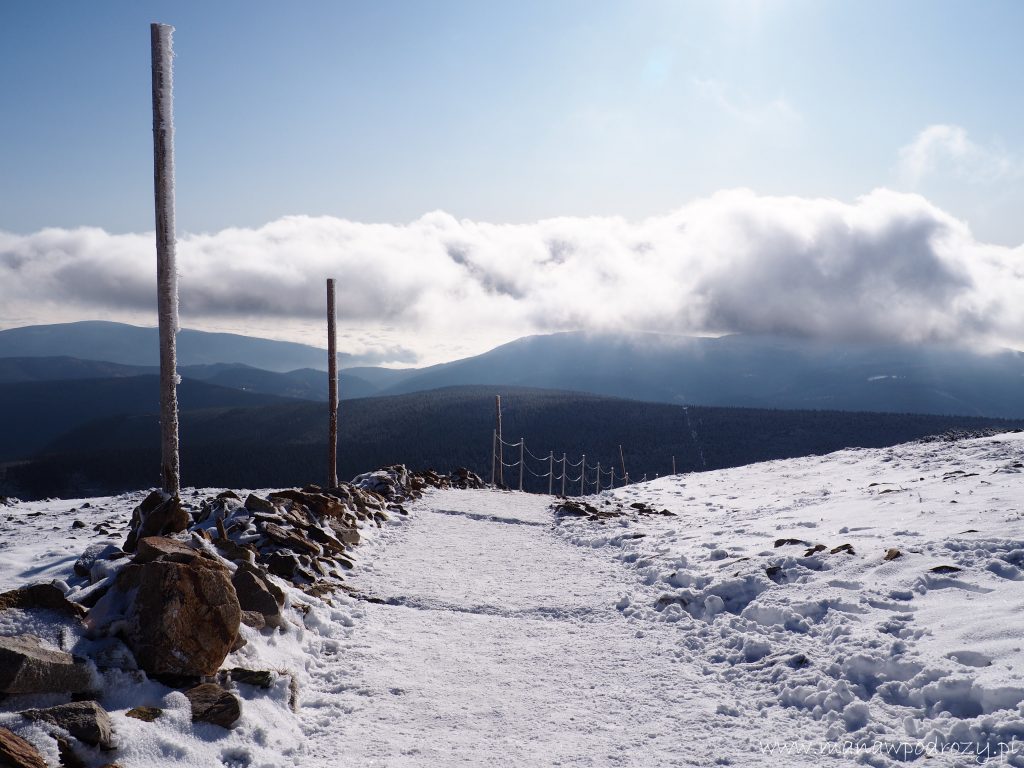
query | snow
(483,630)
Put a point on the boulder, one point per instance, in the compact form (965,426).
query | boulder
(26,666)
(96,554)
(181,619)
(255,503)
(157,515)
(212,704)
(892,553)
(40,597)
(15,752)
(162,548)
(258,594)
(87,721)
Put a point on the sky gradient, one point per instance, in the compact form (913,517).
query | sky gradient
(586,112)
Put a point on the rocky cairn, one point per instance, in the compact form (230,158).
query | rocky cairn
(171,601)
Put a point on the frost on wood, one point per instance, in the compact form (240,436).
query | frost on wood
(167,279)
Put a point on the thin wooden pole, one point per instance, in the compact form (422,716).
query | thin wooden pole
(583,473)
(599,477)
(623,460)
(162,60)
(494,453)
(332,386)
(673,465)
(612,483)
(551,472)
(563,474)
(522,463)
(501,448)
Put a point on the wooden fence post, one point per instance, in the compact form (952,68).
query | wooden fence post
(583,473)
(563,474)
(501,448)
(162,62)
(551,472)
(332,389)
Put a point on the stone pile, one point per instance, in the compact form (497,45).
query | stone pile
(171,601)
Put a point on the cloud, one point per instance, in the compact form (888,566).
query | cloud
(886,267)
(947,150)
(776,113)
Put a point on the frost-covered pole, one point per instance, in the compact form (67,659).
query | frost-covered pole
(623,460)
(501,450)
(611,483)
(494,454)
(563,474)
(551,472)
(673,465)
(162,56)
(583,473)
(332,387)
(599,477)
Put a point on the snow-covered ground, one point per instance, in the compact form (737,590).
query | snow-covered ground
(483,630)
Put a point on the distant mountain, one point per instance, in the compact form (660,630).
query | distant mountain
(285,443)
(741,371)
(132,345)
(747,371)
(33,414)
(304,383)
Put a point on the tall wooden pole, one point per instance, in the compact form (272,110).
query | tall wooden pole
(501,449)
(522,462)
(551,472)
(598,477)
(583,473)
(332,386)
(162,60)
(563,474)
(673,465)
(623,460)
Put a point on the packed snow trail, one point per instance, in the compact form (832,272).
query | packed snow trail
(489,640)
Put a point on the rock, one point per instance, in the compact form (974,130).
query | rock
(15,752)
(255,503)
(87,721)
(94,554)
(291,539)
(28,667)
(892,554)
(940,569)
(146,714)
(78,524)
(254,620)
(847,548)
(40,597)
(814,550)
(182,618)
(162,548)
(158,515)
(283,564)
(791,543)
(260,678)
(212,704)
(258,594)
(236,553)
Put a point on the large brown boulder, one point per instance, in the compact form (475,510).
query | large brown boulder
(258,594)
(182,618)
(87,721)
(157,515)
(26,666)
(40,597)
(15,752)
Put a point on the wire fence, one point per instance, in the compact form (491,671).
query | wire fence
(560,474)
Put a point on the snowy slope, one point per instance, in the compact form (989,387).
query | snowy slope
(483,630)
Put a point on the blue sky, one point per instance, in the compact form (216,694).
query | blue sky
(508,113)
(504,112)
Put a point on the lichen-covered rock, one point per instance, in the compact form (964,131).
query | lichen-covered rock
(26,666)
(258,594)
(15,752)
(178,619)
(87,721)
(162,548)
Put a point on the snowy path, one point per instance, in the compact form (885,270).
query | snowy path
(499,643)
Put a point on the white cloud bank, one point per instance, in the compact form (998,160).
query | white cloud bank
(888,266)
